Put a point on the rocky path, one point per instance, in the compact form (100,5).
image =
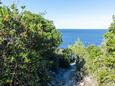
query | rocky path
(88,81)
(65,77)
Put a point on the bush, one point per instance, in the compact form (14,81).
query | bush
(64,57)
(26,40)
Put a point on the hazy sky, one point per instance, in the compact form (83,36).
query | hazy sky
(90,14)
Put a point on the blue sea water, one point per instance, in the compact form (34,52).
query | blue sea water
(87,36)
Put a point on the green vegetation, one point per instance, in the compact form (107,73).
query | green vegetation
(64,57)
(28,44)
(79,51)
(29,51)
(99,61)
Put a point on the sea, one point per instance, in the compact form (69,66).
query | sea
(87,36)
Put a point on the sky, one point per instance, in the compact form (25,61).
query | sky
(72,14)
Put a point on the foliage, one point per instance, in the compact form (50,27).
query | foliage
(108,57)
(110,39)
(78,48)
(79,52)
(99,60)
(93,54)
(26,40)
(64,57)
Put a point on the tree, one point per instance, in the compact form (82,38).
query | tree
(110,39)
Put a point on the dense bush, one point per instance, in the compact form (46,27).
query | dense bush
(64,57)
(107,61)
(26,42)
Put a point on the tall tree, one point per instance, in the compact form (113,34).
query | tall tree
(110,38)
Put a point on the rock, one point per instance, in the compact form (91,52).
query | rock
(88,81)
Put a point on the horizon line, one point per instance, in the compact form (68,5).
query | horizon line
(83,28)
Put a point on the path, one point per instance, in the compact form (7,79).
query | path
(65,77)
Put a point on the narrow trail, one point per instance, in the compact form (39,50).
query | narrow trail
(65,77)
